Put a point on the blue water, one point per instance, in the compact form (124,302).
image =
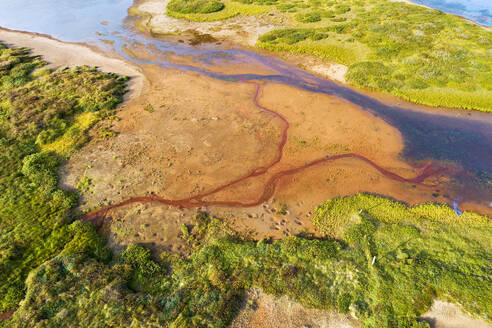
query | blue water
(479,11)
(66,20)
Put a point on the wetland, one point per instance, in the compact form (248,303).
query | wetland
(205,173)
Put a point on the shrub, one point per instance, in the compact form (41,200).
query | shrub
(309,17)
(195,6)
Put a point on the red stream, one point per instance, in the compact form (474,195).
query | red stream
(269,189)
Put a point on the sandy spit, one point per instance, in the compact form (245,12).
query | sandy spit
(62,54)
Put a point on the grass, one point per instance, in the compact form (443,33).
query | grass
(420,253)
(231,9)
(195,6)
(416,53)
(44,118)
(75,136)
(379,260)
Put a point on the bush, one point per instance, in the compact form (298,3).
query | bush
(195,6)
(309,17)
(35,215)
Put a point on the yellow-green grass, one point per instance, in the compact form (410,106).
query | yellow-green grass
(332,50)
(427,57)
(450,98)
(333,217)
(231,9)
(75,136)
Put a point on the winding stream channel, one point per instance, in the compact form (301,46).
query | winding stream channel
(432,138)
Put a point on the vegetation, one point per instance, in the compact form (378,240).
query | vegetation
(43,117)
(195,6)
(385,267)
(416,53)
(228,9)
(379,260)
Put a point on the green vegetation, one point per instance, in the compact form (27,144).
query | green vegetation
(416,53)
(149,108)
(379,260)
(382,261)
(228,9)
(38,111)
(195,6)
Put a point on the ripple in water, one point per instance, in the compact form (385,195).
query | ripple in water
(479,11)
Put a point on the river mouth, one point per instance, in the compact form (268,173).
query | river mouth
(459,149)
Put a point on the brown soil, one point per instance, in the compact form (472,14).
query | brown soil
(6,315)
(261,310)
(443,314)
(199,134)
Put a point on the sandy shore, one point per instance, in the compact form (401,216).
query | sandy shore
(443,314)
(62,54)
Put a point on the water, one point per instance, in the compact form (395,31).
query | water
(66,20)
(479,11)
(446,138)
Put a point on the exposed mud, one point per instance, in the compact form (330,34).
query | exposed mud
(241,152)
(261,310)
(443,314)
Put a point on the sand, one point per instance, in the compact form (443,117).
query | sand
(62,54)
(262,310)
(240,29)
(443,314)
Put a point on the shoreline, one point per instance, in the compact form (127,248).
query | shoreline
(60,54)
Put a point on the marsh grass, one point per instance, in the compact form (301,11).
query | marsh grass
(385,265)
(44,118)
(231,9)
(416,53)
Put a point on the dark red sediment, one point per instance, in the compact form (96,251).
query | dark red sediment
(7,315)
(427,171)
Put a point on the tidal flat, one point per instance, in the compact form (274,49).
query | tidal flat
(205,184)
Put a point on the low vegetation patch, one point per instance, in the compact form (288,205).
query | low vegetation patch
(43,118)
(195,6)
(413,52)
(228,9)
(382,262)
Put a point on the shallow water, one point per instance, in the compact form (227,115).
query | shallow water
(67,20)
(479,11)
(427,136)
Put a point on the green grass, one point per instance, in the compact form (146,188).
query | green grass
(416,53)
(195,6)
(231,9)
(420,253)
(43,118)
(379,260)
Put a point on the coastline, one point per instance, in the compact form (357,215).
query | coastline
(60,54)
